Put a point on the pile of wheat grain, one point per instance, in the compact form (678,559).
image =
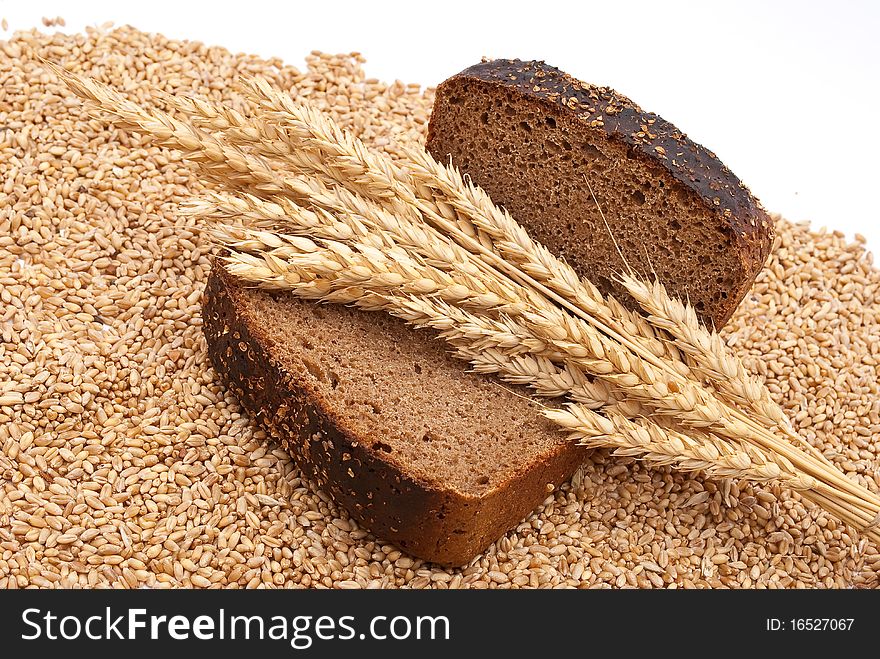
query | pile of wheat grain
(125,464)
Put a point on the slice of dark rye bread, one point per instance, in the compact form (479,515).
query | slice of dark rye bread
(531,136)
(435,459)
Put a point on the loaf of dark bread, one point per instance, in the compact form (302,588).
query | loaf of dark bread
(534,138)
(435,459)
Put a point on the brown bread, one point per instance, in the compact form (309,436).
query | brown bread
(435,459)
(532,137)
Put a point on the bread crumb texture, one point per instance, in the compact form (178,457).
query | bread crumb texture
(125,463)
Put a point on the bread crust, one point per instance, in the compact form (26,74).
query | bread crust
(648,136)
(425,519)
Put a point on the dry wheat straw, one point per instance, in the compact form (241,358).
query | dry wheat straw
(584,337)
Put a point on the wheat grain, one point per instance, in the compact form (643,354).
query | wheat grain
(594,533)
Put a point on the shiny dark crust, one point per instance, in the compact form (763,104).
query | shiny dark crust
(647,134)
(424,518)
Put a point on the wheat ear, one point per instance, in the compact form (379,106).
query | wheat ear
(243,170)
(659,445)
(709,357)
(342,215)
(377,267)
(345,160)
(662,446)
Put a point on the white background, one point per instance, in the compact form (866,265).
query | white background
(786,93)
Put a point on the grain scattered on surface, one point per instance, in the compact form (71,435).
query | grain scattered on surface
(52,22)
(124,464)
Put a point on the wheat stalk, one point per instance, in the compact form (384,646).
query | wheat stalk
(220,160)
(236,166)
(581,331)
(547,378)
(251,134)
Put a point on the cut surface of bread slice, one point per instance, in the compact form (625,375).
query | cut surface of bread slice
(537,140)
(435,459)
